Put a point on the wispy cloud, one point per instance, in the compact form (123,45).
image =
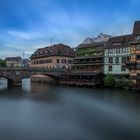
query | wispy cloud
(27,24)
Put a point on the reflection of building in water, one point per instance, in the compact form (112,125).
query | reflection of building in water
(37,88)
(43,92)
(42,79)
(3,84)
(41,88)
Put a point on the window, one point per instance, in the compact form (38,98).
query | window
(58,61)
(118,50)
(110,50)
(63,61)
(138,66)
(105,60)
(110,68)
(123,49)
(117,60)
(110,60)
(123,59)
(123,68)
(128,58)
(58,51)
(70,61)
(138,57)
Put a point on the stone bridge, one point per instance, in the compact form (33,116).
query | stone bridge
(14,76)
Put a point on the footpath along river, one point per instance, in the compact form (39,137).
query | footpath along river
(42,112)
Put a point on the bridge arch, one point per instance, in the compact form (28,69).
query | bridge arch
(14,76)
(9,80)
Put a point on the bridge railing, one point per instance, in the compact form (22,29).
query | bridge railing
(33,69)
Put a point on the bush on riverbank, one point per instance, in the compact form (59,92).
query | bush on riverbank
(122,83)
(2,63)
(109,81)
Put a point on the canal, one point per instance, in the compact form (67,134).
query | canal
(41,112)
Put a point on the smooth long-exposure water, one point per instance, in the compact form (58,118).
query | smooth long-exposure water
(42,112)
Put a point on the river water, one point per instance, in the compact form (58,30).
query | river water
(42,112)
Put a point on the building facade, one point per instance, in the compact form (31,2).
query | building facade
(13,61)
(55,56)
(25,63)
(117,54)
(89,58)
(134,62)
(87,69)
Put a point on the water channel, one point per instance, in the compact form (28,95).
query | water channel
(42,112)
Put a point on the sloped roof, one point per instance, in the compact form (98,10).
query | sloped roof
(13,58)
(54,50)
(119,41)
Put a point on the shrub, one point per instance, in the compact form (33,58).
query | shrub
(109,81)
(123,83)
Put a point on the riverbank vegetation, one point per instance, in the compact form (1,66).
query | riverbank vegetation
(112,82)
(2,63)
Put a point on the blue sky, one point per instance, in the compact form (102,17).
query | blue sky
(26,25)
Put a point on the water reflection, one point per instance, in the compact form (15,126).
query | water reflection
(43,112)
(34,91)
(3,84)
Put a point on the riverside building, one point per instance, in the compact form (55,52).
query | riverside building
(87,69)
(13,61)
(134,62)
(55,56)
(116,54)
(89,58)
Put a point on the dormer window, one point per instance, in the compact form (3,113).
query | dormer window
(58,51)
(36,53)
(47,52)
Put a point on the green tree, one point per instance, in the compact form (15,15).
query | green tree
(109,81)
(123,83)
(2,63)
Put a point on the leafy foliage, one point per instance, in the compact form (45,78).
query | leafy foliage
(109,81)
(2,63)
(123,83)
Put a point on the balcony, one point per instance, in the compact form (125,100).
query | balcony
(88,64)
(136,42)
(88,61)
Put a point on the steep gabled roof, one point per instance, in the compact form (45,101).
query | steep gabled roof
(119,41)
